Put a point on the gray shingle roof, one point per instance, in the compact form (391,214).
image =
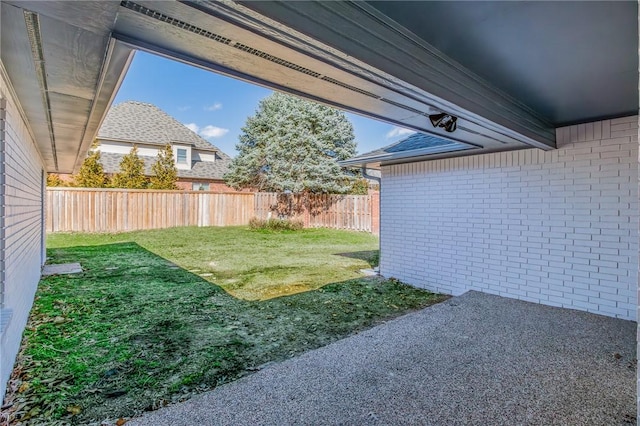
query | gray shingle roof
(412,142)
(418,143)
(199,169)
(134,121)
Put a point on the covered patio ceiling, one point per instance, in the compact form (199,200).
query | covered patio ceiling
(509,72)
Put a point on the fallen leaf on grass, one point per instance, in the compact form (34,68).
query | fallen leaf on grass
(59,320)
(23,387)
(31,413)
(74,409)
(120,422)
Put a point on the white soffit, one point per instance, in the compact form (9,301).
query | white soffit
(65,69)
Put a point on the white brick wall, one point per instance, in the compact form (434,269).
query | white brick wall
(21,254)
(557,227)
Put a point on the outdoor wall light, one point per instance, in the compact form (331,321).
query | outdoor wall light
(444,120)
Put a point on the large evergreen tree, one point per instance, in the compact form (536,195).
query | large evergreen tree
(91,173)
(165,173)
(131,174)
(291,144)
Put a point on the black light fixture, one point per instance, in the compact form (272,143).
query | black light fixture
(444,120)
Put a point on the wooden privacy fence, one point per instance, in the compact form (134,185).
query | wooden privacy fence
(119,210)
(355,212)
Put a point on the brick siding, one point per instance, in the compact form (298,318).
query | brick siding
(557,227)
(22,249)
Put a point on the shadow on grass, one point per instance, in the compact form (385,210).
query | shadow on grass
(372,257)
(134,332)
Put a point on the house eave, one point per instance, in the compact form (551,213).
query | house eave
(263,50)
(404,155)
(117,61)
(65,68)
(156,144)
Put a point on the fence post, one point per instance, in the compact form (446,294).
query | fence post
(374,199)
(307,208)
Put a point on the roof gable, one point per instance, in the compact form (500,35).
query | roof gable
(141,122)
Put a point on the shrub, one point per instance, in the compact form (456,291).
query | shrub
(54,180)
(275,224)
(360,187)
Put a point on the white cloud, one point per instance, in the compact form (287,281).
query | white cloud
(207,131)
(184,108)
(399,131)
(213,132)
(214,107)
(193,127)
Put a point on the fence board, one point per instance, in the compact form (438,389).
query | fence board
(120,210)
(353,212)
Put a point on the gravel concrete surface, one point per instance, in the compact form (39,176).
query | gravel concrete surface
(475,359)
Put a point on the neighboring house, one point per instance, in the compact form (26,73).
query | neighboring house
(201,165)
(541,202)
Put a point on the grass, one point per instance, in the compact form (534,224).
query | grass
(251,265)
(275,224)
(136,330)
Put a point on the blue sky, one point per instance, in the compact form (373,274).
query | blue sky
(217,107)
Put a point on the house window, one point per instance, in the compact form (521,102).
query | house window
(200,186)
(181,156)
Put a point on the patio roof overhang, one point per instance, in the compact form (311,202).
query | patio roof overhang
(509,72)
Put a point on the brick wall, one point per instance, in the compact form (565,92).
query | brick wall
(21,251)
(557,227)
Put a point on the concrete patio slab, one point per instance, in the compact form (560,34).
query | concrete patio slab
(475,359)
(61,269)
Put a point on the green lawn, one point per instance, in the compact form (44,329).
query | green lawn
(137,330)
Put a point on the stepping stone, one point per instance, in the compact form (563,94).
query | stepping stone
(369,272)
(61,269)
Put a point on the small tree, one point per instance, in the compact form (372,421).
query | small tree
(91,173)
(131,174)
(165,173)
